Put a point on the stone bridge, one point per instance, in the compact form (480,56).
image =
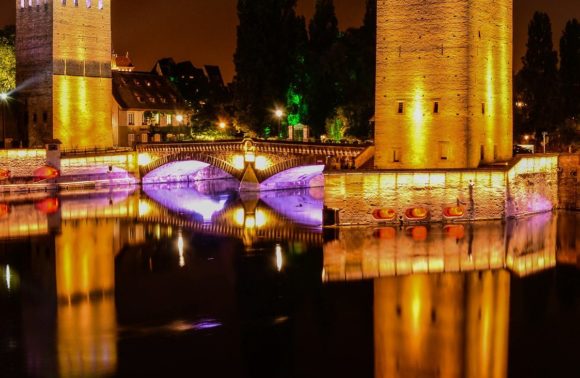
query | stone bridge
(258,165)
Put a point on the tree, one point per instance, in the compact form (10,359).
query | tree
(268,60)
(323,68)
(537,84)
(570,69)
(7,60)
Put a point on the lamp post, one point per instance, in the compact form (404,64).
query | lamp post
(3,104)
(544,135)
(279,114)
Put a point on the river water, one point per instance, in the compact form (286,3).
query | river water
(196,280)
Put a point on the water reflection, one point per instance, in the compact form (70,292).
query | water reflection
(199,270)
(524,246)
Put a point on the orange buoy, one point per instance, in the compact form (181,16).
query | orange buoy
(385,214)
(417,213)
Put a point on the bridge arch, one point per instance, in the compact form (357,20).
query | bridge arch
(206,160)
(294,173)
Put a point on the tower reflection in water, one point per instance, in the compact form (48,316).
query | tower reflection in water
(441,294)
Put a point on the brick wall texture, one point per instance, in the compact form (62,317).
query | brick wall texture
(458,54)
(63,56)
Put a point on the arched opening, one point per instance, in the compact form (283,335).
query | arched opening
(307,176)
(185,171)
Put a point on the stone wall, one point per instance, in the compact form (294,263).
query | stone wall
(569,182)
(444,92)
(530,186)
(64,68)
(22,162)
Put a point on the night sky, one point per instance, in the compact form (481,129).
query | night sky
(204,31)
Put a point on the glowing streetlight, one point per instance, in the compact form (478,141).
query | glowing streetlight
(4,100)
(279,113)
(179,118)
(222,125)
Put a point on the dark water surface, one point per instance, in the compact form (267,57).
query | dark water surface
(198,281)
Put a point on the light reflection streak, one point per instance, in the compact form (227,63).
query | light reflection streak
(279,258)
(8,277)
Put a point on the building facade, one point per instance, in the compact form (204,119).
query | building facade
(444,83)
(147,108)
(63,51)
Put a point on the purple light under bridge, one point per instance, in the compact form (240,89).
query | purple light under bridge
(308,176)
(182,171)
(183,199)
(301,206)
(190,171)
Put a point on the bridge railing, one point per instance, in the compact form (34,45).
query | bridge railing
(87,151)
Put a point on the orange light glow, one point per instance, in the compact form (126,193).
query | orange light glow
(46,173)
(418,233)
(454,212)
(385,214)
(417,213)
(455,232)
(386,233)
(4,210)
(48,206)
(4,174)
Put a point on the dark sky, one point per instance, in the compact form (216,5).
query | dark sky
(204,31)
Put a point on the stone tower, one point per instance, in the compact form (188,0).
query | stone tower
(444,83)
(63,52)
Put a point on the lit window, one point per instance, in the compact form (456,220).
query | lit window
(100,4)
(89,3)
(396,155)
(401,107)
(131,118)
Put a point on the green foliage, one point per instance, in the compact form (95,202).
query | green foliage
(296,107)
(337,125)
(7,60)
(268,58)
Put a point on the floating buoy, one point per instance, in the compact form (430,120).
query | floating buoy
(417,214)
(48,206)
(46,173)
(385,214)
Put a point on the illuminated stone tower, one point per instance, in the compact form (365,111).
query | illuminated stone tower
(63,50)
(444,83)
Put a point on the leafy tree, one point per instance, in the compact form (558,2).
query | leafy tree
(537,84)
(7,59)
(268,59)
(570,69)
(323,90)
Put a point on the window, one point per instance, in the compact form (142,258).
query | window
(436,107)
(482,153)
(494,153)
(401,107)
(131,118)
(89,3)
(444,150)
(76,3)
(396,155)
(44,117)
(100,4)
(483,108)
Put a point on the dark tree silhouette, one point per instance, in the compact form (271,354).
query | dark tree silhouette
(537,84)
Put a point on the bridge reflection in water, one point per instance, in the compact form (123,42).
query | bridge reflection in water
(441,294)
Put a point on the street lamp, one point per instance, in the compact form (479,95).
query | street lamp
(279,113)
(4,101)
(222,125)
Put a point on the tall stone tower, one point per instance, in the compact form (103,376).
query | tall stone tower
(63,52)
(444,83)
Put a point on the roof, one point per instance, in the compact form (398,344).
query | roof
(145,91)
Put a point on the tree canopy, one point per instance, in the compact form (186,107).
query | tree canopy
(7,59)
